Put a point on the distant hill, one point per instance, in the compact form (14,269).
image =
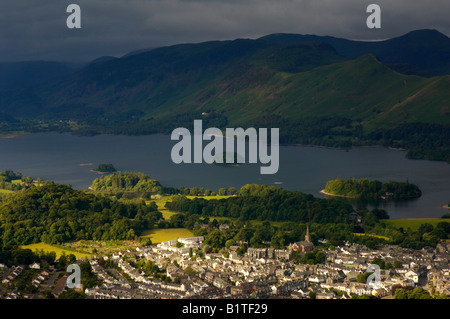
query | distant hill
(17,82)
(423,51)
(19,75)
(317,90)
(103,59)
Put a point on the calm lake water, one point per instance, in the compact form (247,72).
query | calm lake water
(69,160)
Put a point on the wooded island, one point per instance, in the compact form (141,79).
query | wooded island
(371,190)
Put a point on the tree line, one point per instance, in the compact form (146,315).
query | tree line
(127,181)
(143,184)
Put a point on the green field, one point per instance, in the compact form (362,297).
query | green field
(413,223)
(161,202)
(57,250)
(165,234)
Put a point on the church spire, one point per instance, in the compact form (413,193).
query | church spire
(307,236)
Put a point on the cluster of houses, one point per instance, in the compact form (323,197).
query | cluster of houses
(10,274)
(40,278)
(261,272)
(268,272)
(15,271)
(140,286)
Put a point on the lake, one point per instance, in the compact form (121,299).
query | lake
(69,159)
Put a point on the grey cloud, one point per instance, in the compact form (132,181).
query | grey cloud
(31,30)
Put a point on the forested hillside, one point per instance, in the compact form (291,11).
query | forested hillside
(57,213)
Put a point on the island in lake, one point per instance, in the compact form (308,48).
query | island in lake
(371,190)
(105,168)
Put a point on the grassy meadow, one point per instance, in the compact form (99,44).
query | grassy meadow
(165,234)
(59,251)
(413,223)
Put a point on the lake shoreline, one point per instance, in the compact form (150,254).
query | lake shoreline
(7,136)
(15,135)
(344,196)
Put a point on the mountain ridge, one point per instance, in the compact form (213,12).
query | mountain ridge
(345,88)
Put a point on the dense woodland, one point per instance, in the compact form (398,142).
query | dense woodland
(260,202)
(372,190)
(105,168)
(127,181)
(57,213)
(422,140)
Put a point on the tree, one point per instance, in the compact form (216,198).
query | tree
(242,249)
(379,261)
(62,261)
(194,191)
(277,240)
(362,278)
(215,239)
(71,258)
(72,294)
(190,271)
(419,293)
(416,293)
(425,228)
(229,243)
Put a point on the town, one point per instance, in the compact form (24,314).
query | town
(179,270)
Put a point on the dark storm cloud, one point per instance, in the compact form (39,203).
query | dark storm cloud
(31,30)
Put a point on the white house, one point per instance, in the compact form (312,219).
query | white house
(35,265)
(412,275)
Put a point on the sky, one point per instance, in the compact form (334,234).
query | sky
(37,29)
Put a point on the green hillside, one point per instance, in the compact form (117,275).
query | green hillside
(361,89)
(244,80)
